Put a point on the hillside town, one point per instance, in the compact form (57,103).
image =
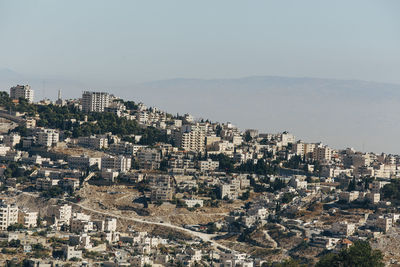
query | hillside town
(103,181)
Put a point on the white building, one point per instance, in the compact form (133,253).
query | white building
(70,252)
(110,225)
(118,163)
(47,137)
(95,101)
(83,162)
(8,215)
(27,218)
(192,138)
(97,142)
(208,165)
(22,91)
(191,203)
(62,214)
(12,139)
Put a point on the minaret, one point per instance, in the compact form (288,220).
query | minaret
(59,94)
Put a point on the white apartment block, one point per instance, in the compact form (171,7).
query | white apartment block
(83,162)
(192,138)
(110,225)
(125,148)
(208,165)
(28,218)
(8,215)
(70,252)
(22,91)
(118,163)
(95,101)
(191,203)
(47,137)
(287,138)
(4,149)
(302,149)
(62,214)
(93,142)
(12,139)
(230,191)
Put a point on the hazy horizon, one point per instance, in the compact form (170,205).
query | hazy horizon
(339,113)
(135,48)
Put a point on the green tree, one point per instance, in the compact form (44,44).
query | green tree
(359,255)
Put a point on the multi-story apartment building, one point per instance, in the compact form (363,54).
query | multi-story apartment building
(47,137)
(8,215)
(118,163)
(322,153)
(149,158)
(12,139)
(192,137)
(125,148)
(62,214)
(97,142)
(28,218)
(161,188)
(304,150)
(22,91)
(45,183)
(208,165)
(95,101)
(83,162)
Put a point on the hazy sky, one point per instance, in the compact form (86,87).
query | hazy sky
(135,41)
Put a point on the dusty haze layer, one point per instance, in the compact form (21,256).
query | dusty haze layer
(340,113)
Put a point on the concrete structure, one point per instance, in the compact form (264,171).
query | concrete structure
(96,142)
(70,252)
(28,218)
(118,163)
(208,165)
(12,139)
(83,162)
(95,101)
(45,183)
(8,215)
(192,138)
(149,158)
(62,214)
(47,137)
(191,203)
(22,91)
(343,228)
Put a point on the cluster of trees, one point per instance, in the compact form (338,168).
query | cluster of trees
(228,164)
(67,118)
(261,167)
(359,254)
(392,191)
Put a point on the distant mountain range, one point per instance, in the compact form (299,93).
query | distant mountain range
(340,113)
